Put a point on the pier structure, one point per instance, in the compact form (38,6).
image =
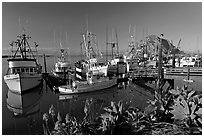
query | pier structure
(143,74)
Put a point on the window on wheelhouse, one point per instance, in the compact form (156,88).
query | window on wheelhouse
(18,70)
(13,71)
(23,70)
(27,69)
(31,69)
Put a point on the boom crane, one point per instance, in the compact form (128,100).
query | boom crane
(178,46)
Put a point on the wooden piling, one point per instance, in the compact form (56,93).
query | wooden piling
(45,66)
(159,66)
(188,73)
(160,76)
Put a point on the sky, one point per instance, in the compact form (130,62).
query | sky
(50,23)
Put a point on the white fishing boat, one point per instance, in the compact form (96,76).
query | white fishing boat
(188,62)
(91,57)
(24,72)
(91,76)
(62,66)
(98,94)
(90,85)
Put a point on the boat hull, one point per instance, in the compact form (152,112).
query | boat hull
(84,87)
(22,82)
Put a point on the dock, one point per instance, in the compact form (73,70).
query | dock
(184,71)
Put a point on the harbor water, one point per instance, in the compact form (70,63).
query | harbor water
(35,103)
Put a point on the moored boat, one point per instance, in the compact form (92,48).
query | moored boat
(91,75)
(88,86)
(92,59)
(118,66)
(62,66)
(24,72)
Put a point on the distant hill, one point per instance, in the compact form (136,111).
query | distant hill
(168,47)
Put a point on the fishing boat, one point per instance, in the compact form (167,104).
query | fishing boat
(92,59)
(89,77)
(62,66)
(96,67)
(90,85)
(96,95)
(118,64)
(24,72)
(190,62)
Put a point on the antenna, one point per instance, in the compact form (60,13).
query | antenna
(116,41)
(112,36)
(106,43)
(60,45)
(112,43)
(19,22)
(134,31)
(130,30)
(20,26)
(130,33)
(197,44)
(66,42)
(54,38)
(87,25)
(143,34)
(146,30)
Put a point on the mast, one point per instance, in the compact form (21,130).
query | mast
(23,46)
(117,41)
(87,25)
(112,43)
(106,44)
(67,53)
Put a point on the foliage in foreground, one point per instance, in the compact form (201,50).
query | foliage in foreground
(171,112)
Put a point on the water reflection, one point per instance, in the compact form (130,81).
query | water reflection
(23,105)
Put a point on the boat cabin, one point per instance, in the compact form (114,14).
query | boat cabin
(18,70)
(17,66)
(62,67)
